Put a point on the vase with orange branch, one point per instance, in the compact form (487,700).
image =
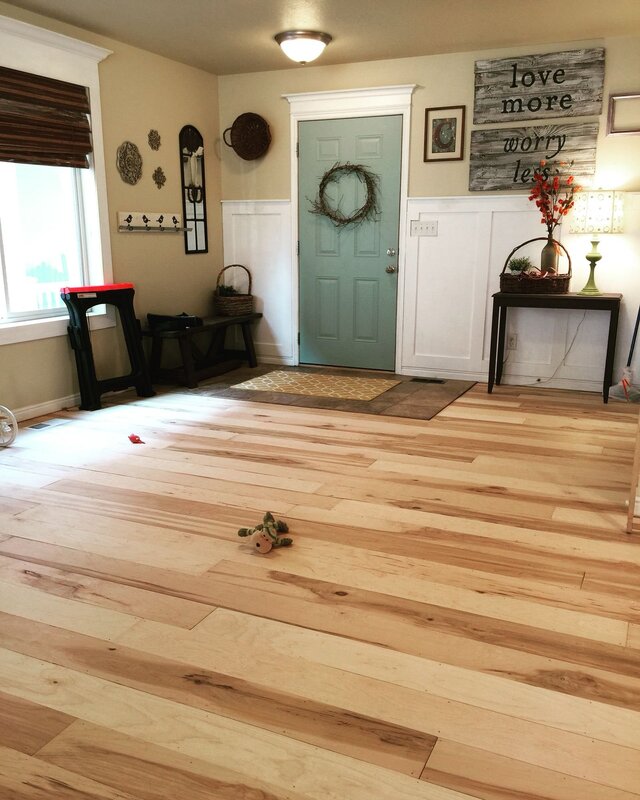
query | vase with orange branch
(553,191)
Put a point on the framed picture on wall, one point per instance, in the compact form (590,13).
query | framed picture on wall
(624,114)
(444,133)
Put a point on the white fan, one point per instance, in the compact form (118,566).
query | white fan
(8,427)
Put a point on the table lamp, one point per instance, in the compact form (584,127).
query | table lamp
(596,212)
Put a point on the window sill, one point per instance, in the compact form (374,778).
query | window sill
(33,329)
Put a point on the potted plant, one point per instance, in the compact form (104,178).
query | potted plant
(520,264)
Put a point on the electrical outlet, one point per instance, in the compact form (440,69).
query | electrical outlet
(512,341)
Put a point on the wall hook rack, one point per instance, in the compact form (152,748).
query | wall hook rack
(150,222)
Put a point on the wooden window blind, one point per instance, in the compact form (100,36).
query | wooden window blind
(43,120)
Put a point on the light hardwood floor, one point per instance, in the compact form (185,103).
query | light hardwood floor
(459,616)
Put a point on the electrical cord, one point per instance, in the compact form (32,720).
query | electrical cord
(541,382)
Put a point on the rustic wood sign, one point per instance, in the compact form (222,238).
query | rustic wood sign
(568,84)
(505,158)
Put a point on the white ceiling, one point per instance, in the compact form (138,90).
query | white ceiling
(232,36)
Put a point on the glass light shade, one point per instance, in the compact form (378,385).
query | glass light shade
(302,46)
(599,211)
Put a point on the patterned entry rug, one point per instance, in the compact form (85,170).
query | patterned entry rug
(316,384)
(390,394)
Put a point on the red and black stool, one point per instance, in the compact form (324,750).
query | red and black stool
(79,300)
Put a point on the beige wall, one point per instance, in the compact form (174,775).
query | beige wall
(441,81)
(142,91)
(139,91)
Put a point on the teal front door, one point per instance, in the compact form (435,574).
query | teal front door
(348,274)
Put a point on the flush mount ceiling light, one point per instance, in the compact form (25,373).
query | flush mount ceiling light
(302,46)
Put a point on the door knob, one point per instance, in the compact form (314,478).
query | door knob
(390,268)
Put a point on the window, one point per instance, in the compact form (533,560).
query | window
(42,242)
(54,228)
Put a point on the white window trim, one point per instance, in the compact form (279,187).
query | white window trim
(31,49)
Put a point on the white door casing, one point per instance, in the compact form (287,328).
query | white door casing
(376,101)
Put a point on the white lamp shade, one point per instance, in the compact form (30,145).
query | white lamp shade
(302,46)
(600,211)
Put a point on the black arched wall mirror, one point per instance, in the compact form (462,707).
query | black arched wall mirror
(194,204)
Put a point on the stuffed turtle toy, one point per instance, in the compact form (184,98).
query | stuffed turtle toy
(267,534)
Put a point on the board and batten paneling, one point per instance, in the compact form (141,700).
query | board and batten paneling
(257,234)
(539,86)
(447,288)
(449,282)
(505,158)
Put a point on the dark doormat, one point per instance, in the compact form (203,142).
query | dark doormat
(411,398)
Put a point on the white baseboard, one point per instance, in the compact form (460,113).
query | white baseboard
(50,407)
(443,373)
(289,362)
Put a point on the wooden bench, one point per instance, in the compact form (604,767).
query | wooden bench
(201,350)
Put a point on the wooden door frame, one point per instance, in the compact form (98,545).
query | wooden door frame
(346,103)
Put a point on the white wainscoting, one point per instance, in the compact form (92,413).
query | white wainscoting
(257,234)
(445,308)
(449,280)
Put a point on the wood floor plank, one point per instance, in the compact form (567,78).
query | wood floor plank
(491,777)
(23,777)
(27,726)
(411,585)
(566,664)
(140,542)
(228,745)
(461,602)
(273,708)
(546,746)
(271,640)
(137,602)
(10,506)
(147,771)
(62,612)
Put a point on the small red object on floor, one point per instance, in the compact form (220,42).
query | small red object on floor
(133,437)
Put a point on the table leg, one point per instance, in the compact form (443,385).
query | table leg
(155,357)
(493,345)
(502,326)
(187,362)
(247,335)
(611,351)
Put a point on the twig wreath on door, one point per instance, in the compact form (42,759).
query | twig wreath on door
(367,211)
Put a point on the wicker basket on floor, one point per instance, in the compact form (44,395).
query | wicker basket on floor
(519,283)
(234,304)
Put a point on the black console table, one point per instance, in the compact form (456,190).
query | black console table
(504,300)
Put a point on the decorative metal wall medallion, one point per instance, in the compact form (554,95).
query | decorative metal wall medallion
(129,162)
(154,139)
(159,178)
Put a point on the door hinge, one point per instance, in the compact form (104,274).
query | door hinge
(298,337)
(297,149)
(298,247)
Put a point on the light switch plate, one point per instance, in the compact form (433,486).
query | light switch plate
(421,227)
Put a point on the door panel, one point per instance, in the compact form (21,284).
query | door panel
(347,299)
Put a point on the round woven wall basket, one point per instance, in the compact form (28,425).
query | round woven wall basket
(520,283)
(249,136)
(234,304)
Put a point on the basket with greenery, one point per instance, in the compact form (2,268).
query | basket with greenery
(227,300)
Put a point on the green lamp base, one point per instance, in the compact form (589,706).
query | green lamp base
(590,286)
(593,257)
